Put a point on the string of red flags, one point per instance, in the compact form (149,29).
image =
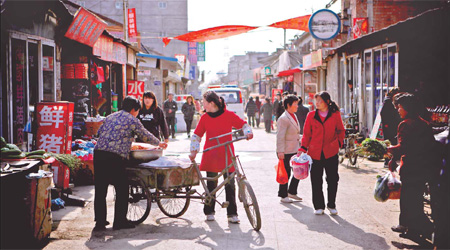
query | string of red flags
(298,23)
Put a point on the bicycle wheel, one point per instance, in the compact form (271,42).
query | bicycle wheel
(250,204)
(341,155)
(352,157)
(173,206)
(139,201)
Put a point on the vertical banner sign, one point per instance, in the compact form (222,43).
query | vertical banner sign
(85,28)
(54,120)
(360,27)
(192,52)
(192,72)
(132,29)
(201,51)
(182,61)
(19,80)
(136,89)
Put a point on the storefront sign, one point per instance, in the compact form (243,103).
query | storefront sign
(132,30)
(268,71)
(47,63)
(136,89)
(119,53)
(360,27)
(192,52)
(275,92)
(19,81)
(131,57)
(192,72)
(201,52)
(85,28)
(324,24)
(312,60)
(104,48)
(54,121)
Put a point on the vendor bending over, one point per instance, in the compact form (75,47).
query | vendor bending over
(110,158)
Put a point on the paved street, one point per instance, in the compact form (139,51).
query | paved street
(362,223)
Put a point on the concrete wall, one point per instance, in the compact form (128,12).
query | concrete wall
(332,79)
(152,21)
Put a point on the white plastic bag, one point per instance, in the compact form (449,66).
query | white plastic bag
(301,166)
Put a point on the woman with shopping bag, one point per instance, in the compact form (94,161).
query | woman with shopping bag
(323,135)
(288,143)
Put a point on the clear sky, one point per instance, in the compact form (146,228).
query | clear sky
(204,14)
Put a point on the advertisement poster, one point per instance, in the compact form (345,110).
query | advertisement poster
(132,29)
(85,28)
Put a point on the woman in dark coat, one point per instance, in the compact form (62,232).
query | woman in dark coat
(417,150)
(390,119)
(152,117)
(188,110)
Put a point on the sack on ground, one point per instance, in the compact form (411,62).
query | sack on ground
(282,176)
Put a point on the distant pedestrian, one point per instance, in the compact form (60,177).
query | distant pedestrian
(188,110)
(390,119)
(250,109)
(170,109)
(323,135)
(301,113)
(288,144)
(278,107)
(258,111)
(266,111)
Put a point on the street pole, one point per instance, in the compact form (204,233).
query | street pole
(125,37)
(284,44)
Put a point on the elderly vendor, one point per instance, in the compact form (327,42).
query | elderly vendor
(110,158)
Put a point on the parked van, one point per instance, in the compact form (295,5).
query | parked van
(232,96)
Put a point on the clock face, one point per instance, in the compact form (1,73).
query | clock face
(324,24)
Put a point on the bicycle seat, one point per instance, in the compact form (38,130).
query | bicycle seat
(349,131)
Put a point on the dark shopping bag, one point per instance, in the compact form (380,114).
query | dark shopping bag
(282,176)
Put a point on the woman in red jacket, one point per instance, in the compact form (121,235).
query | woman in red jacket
(323,135)
(215,122)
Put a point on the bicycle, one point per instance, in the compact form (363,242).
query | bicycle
(172,189)
(350,148)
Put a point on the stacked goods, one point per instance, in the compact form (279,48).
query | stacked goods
(81,71)
(68,71)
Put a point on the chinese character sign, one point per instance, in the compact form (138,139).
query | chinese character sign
(55,127)
(132,29)
(136,89)
(85,28)
(201,54)
(192,52)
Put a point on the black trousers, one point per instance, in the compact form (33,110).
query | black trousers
(109,168)
(188,126)
(411,207)
(230,195)
(331,169)
(171,125)
(292,185)
(258,119)
(251,120)
(267,125)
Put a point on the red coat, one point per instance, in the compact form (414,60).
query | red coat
(318,136)
(214,160)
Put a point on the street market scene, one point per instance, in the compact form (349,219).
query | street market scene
(208,124)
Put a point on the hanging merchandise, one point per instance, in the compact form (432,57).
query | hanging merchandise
(100,75)
(81,71)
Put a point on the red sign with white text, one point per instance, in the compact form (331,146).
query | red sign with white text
(132,29)
(54,133)
(85,28)
(136,89)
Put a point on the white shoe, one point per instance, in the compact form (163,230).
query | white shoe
(210,217)
(234,219)
(333,211)
(286,200)
(295,197)
(318,211)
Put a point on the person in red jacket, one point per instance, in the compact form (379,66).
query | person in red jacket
(217,121)
(323,135)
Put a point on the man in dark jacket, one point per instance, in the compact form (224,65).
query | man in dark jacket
(301,113)
(266,111)
(258,111)
(390,119)
(278,108)
(170,108)
(250,109)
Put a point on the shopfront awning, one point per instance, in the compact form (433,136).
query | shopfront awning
(289,72)
(173,59)
(170,63)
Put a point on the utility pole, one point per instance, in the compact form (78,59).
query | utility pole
(125,37)
(284,44)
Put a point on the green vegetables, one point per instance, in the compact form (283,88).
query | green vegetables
(11,151)
(374,149)
(70,161)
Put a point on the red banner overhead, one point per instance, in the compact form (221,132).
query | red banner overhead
(212,33)
(297,23)
(85,28)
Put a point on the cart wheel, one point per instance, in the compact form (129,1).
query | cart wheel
(174,202)
(250,204)
(139,201)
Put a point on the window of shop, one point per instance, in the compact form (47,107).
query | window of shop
(368,87)
(48,72)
